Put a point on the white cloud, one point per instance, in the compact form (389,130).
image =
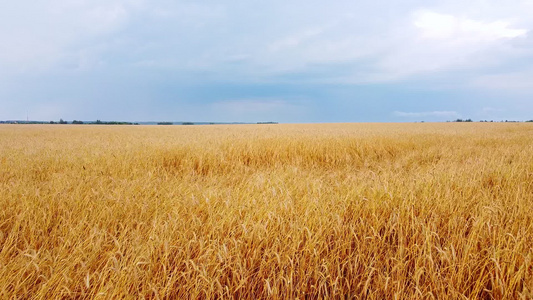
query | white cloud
(435,25)
(488,110)
(294,40)
(446,43)
(438,114)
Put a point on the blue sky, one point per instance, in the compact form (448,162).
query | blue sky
(248,61)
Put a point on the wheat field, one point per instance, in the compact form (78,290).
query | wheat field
(370,211)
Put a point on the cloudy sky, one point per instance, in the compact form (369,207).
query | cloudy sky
(248,61)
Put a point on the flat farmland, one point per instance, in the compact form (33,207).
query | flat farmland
(373,211)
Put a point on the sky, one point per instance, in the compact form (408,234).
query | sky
(248,61)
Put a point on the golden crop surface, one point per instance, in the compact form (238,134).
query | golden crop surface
(374,211)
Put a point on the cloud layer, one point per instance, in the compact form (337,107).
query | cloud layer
(295,61)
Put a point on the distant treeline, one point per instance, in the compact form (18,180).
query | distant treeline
(107,123)
(99,122)
(490,121)
(61,121)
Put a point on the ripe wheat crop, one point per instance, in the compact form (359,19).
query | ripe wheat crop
(373,211)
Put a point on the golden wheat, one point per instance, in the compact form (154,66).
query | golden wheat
(374,211)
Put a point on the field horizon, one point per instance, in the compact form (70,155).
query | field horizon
(328,210)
